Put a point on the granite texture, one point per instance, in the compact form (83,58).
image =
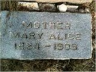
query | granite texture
(12,22)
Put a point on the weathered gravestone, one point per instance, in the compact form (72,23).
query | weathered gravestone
(42,35)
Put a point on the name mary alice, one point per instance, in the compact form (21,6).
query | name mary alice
(59,36)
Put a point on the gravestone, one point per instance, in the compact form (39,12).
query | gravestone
(42,35)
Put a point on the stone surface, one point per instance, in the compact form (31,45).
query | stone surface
(42,35)
(47,7)
(87,10)
(72,8)
(55,1)
(28,5)
(81,10)
(62,8)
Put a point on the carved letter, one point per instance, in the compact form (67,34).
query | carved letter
(52,36)
(59,46)
(15,45)
(37,46)
(59,25)
(66,36)
(52,25)
(16,35)
(74,46)
(71,36)
(59,38)
(45,25)
(68,26)
(67,46)
(40,35)
(78,36)
(24,35)
(36,25)
(21,45)
(29,46)
(29,25)
(32,35)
